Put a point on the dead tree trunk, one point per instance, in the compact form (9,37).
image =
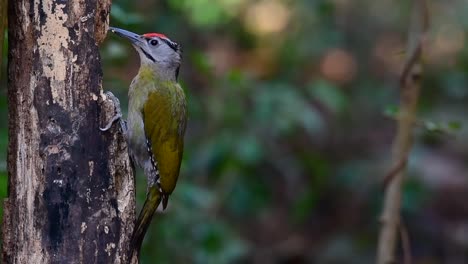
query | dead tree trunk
(71,187)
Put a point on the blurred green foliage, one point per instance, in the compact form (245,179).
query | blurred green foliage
(289,134)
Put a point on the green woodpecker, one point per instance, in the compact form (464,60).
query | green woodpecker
(156,120)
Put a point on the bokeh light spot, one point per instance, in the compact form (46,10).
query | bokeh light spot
(267,17)
(449,40)
(339,66)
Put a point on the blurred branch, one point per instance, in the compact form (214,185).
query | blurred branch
(410,86)
(395,170)
(405,244)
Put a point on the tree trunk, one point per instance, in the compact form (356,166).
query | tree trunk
(71,186)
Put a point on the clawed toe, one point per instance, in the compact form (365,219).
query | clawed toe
(111,122)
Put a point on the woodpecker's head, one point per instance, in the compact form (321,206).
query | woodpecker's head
(155,49)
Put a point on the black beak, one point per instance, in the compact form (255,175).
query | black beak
(134,38)
(137,40)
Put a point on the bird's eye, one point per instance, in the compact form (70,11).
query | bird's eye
(153,42)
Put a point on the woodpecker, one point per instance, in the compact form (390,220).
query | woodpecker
(156,121)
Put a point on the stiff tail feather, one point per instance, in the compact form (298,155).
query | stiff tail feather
(152,202)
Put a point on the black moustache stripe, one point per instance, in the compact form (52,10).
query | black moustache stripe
(148,55)
(174,46)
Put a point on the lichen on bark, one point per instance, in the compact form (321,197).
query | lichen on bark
(71,186)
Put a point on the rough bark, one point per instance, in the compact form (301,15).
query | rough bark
(71,187)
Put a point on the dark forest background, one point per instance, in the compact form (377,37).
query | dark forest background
(291,121)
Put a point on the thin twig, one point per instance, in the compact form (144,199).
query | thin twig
(395,170)
(410,63)
(410,85)
(422,21)
(405,244)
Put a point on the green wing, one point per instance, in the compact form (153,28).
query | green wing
(164,116)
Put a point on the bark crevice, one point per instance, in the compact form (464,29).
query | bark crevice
(71,186)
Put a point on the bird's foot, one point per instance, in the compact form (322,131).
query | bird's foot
(117,116)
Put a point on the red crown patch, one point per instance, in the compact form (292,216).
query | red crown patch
(152,35)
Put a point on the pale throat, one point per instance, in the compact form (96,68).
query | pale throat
(162,71)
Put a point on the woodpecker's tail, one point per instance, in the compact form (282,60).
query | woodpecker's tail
(153,199)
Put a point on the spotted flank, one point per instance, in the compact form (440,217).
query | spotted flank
(155,165)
